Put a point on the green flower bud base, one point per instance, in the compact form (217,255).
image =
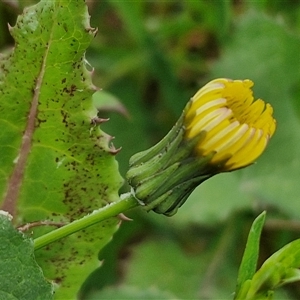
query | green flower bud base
(163,176)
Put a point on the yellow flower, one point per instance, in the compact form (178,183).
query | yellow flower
(237,128)
(222,128)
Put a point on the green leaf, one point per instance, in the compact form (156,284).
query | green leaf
(55,164)
(20,276)
(281,268)
(250,257)
(105,101)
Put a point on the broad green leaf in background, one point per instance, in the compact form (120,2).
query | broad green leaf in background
(55,164)
(20,276)
(264,51)
(177,271)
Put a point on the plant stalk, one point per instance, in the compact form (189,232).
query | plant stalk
(106,212)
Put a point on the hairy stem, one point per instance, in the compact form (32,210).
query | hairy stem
(106,212)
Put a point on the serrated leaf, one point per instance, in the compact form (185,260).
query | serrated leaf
(250,257)
(20,276)
(55,164)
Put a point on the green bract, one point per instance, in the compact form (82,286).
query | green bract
(163,176)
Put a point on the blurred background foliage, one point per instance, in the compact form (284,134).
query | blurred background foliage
(149,58)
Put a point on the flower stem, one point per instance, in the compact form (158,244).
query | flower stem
(111,210)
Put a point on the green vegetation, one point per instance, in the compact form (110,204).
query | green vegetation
(149,58)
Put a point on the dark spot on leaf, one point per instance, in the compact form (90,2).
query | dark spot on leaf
(58,280)
(39,121)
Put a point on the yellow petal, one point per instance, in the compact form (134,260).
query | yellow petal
(236,126)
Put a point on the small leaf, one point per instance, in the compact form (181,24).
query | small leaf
(105,101)
(20,276)
(249,260)
(279,269)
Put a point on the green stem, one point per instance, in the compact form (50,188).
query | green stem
(106,212)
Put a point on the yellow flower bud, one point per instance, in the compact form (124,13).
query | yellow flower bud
(236,127)
(222,128)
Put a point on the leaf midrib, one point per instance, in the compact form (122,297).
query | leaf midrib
(15,181)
